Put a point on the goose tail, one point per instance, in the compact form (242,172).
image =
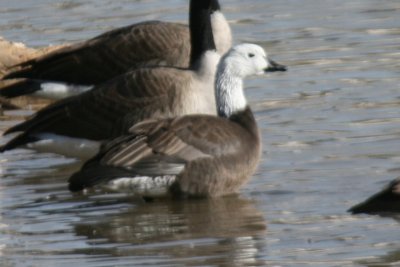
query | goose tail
(43,89)
(17,141)
(20,88)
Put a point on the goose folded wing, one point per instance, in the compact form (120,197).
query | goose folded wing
(110,54)
(158,147)
(98,114)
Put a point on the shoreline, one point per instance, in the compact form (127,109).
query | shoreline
(11,54)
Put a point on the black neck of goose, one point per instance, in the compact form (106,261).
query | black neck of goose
(201,35)
(214,6)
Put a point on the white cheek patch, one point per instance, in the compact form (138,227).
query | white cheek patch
(143,185)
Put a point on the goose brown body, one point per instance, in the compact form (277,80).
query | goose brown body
(192,155)
(80,66)
(150,92)
(217,155)
(111,54)
(107,111)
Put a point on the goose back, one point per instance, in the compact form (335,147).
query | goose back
(111,54)
(115,52)
(110,109)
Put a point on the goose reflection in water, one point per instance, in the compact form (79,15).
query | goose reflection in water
(225,226)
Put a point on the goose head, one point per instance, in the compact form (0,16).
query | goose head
(239,62)
(249,59)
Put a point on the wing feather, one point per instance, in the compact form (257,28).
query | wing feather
(101,113)
(112,53)
(160,147)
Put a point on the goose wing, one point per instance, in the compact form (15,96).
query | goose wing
(160,147)
(99,114)
(112,53)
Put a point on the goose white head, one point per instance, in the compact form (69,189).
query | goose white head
(249,59)
(239,62)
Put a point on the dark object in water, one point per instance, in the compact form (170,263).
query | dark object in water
(385,201)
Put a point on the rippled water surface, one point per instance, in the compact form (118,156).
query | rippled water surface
(331,137)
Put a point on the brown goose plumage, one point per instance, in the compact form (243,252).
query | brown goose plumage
(106,111)
(150,43)
(154,92)
(193,155)
(210,155)
(111,54)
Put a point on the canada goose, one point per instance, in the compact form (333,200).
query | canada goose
(76,68)
(192,155)
(73,126)
(383,202)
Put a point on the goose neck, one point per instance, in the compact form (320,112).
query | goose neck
(201,34)
(230,97)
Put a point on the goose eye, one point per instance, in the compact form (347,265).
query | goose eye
(250,54)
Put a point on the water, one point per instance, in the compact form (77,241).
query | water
(330,135)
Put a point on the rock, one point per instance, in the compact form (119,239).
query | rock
(11,54)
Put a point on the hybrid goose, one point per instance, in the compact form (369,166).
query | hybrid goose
(384,202)
(193,155)
(73,126)
(76,68)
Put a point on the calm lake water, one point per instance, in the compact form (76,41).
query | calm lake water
(331,138)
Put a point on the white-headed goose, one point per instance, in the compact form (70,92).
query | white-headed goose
(72,126)
(78,67)
(384,202)
(193,155)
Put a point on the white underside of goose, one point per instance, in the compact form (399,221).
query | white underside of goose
(143,185)
(52,90)
(67,146)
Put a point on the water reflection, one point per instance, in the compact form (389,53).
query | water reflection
(392,257)
(330,135)
(45,219)
(230,228)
